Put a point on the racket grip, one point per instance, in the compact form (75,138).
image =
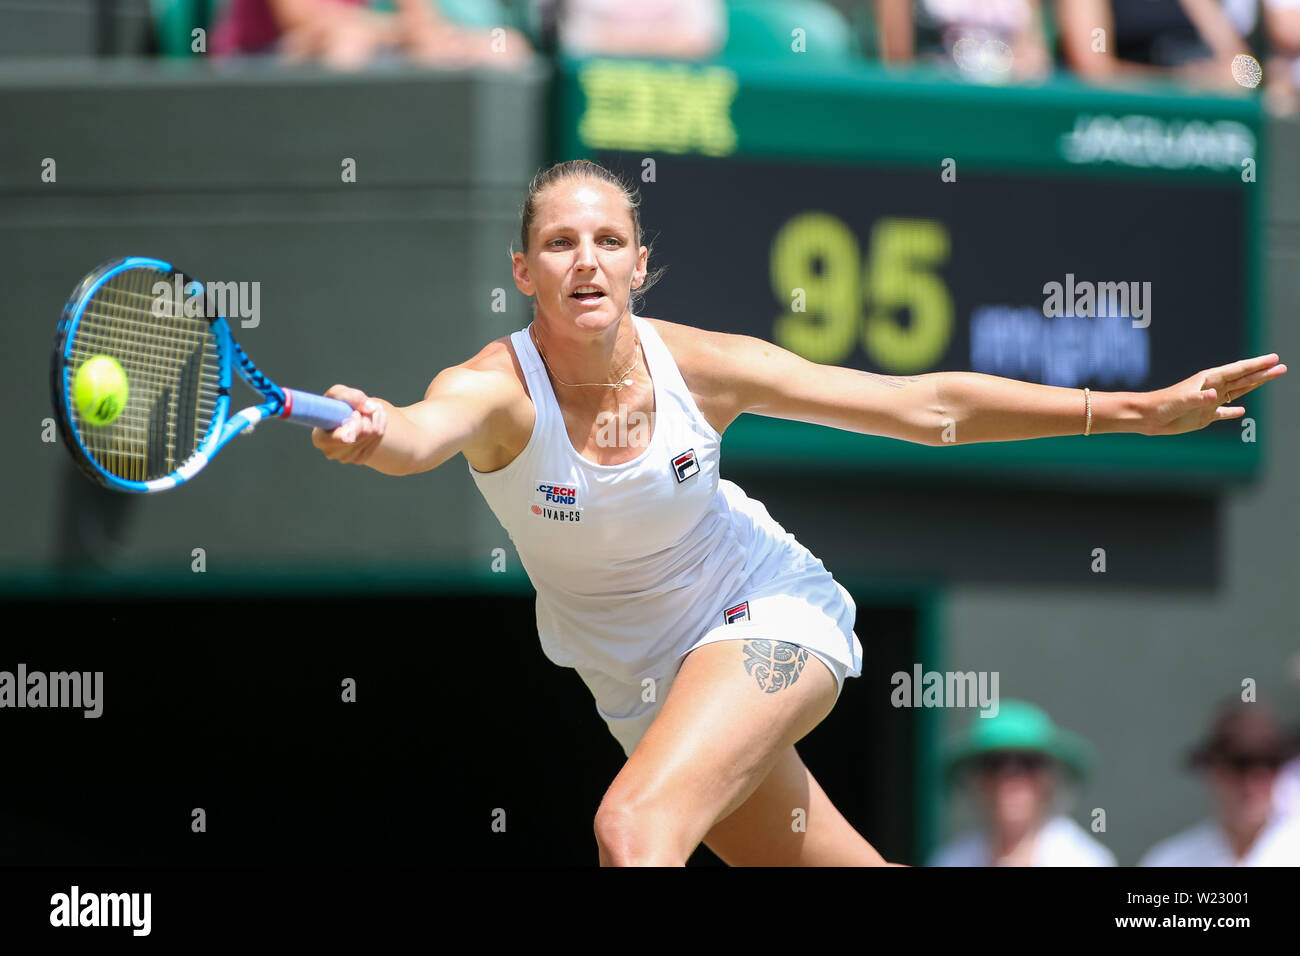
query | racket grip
(308,408)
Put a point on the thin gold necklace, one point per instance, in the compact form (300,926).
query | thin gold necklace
(616,386)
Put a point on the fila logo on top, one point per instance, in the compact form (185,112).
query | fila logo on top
(685,465)
(738,613)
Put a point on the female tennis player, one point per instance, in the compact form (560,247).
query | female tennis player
(710,638)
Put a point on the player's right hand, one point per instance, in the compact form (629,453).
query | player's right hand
(356,439)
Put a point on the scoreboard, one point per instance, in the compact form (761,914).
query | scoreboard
(910,223)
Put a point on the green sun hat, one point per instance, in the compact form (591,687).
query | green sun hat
(1020,726)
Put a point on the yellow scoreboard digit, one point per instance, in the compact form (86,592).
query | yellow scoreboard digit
(838,300)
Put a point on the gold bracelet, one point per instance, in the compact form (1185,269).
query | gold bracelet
(1087,401)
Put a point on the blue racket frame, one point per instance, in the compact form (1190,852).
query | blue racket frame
(304,408)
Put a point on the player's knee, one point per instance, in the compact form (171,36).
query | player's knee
(633,834)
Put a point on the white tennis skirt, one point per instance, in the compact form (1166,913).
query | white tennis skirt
(808,608)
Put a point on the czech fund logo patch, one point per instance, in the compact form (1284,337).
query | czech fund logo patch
(556,502)
(738,613)
(685,465)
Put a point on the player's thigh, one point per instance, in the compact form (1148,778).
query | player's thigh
(733,709)
(789,821)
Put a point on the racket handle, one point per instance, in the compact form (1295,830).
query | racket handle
(307,408)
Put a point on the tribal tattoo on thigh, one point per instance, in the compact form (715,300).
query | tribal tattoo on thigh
(774,664)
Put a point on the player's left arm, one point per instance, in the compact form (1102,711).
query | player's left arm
(942,408)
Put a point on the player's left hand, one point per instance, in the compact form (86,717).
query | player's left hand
(1202,398)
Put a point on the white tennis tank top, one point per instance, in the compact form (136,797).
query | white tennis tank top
(632,562)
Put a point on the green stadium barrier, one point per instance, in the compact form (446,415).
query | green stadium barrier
(764,28)
(175,22)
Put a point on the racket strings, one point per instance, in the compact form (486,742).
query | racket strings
(172,369)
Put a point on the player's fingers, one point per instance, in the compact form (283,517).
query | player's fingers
(368,441)
(329,442)
(362,424)
(347,432)
(363,428)
(376,419)
(332,438)
(1251,382)
(353,396)
(1243,367)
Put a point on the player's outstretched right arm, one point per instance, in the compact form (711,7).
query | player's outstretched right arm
(459,408)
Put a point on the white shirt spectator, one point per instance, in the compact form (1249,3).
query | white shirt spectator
(1286,790)
(997,16)
(674,28)
(1061,842)
(1205,844)
(1244,14)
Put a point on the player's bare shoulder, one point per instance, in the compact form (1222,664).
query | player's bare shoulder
(495,376)
(705,359)
(497,360)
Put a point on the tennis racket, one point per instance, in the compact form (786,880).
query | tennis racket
(176,416)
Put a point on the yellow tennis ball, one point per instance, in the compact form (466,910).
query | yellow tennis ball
(100,389)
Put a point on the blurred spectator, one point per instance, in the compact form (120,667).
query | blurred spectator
(1191,40)
(684,29)
(1015,765)
(986,39)
(1286,791)
(1282,65)
(348,34)
(1240,758)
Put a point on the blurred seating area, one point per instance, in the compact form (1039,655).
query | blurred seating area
(1203,44)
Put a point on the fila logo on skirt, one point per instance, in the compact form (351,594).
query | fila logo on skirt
(685,465)
(738,613)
